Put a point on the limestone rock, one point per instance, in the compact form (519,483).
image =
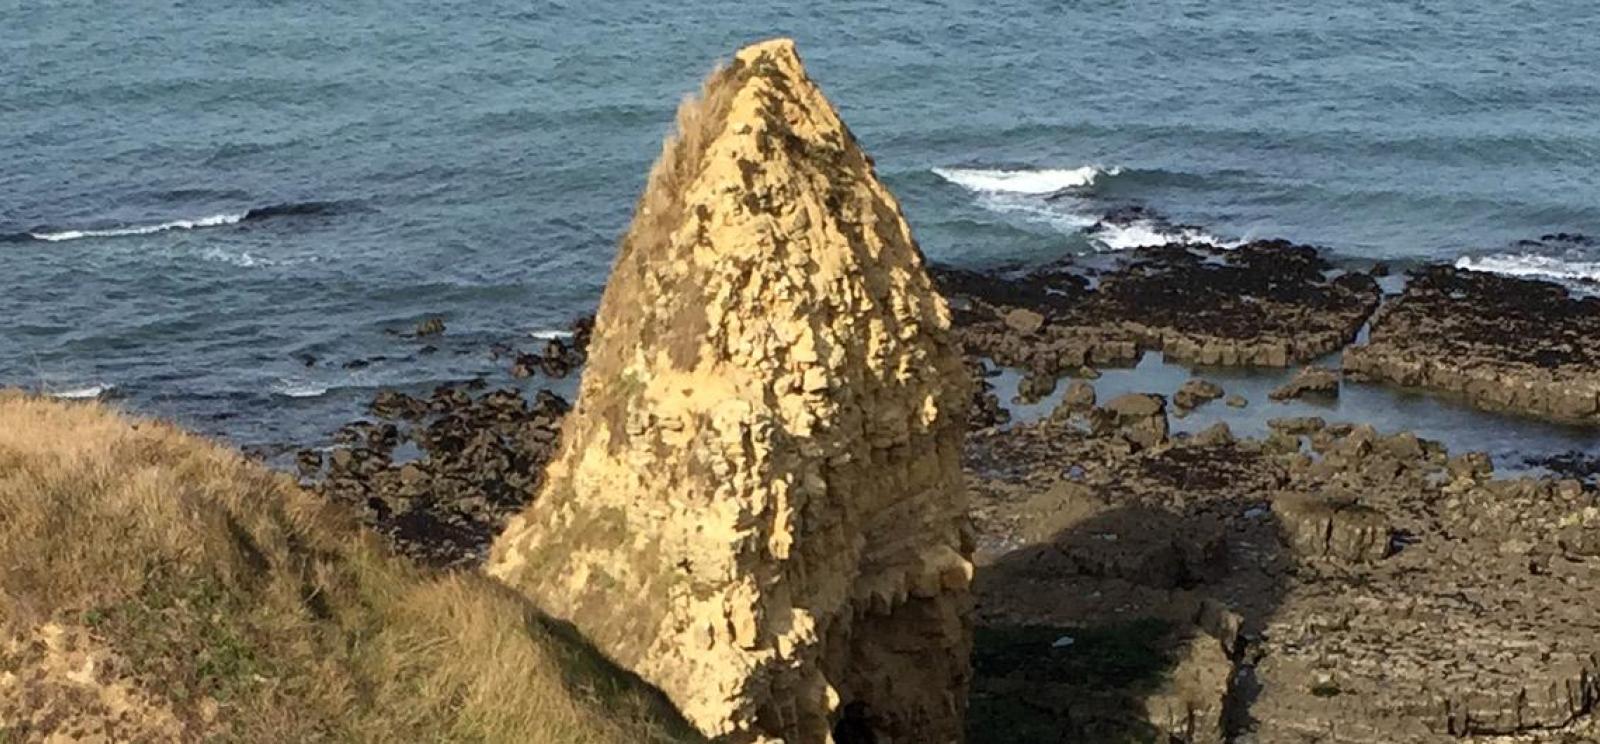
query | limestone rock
(1505,343)
(1310,381)
(1079,396)
(1317,527)
(1024,321)
(1196,392)
(1141,418)
(1189,704)
(758,504)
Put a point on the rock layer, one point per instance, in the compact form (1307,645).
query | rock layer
(1504,343)
(1265,303)
(758,502)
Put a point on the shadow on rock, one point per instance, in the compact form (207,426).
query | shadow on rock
(1128,612)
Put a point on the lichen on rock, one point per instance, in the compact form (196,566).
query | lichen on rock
(758,505)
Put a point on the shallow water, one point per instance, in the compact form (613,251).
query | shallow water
(1507,438)
(478,160)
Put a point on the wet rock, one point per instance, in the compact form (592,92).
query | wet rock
(397,405)
(308,462)
(1268,303)
(1035,386)
(524,366)
(1298,425)
(1141,418)
(479,459)
(1504,343)
(1309,381)
(430,327)
(1575,464)
(1079,397)
(1196,392)
(1237,401)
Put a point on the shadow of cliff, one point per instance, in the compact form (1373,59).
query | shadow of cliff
(1132,624)
(585,668)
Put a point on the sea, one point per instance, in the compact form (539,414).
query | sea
(230,214)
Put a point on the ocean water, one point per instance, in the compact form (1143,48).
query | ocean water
(223,212)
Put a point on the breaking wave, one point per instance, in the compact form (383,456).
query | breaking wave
(291,389)
(88,392)
(1144,232)
(1535,266)
(117,232)
(290,209)
(1034,182)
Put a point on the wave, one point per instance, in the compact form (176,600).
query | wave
(117,232)
(271,211)
(88,392)
(1022,181)
(1144,233)
(299,390)
(550,335)
(1535,266)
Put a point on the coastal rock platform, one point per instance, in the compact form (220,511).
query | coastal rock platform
(1265,303)
(1503,343)
(1335,585)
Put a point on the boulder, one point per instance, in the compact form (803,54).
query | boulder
(1196,392)
(1079,396)
(1024,321)
(758,505)
(1317,526)
(1310,381)
(1141,418)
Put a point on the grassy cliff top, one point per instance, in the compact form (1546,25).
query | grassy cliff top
(155,586)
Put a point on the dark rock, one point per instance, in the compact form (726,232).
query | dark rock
(1504,343)
(430,327)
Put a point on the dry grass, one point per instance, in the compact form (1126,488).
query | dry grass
(213,600)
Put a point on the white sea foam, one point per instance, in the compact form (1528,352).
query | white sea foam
(292,389)
(242,259)
(548,335)
(1036,182)
(116,232)
(88,392)
(1141,233)
(1572,271)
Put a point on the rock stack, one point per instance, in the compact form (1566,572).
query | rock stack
(758,504)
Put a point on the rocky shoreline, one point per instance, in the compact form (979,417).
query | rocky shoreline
(1326,583)
(765,501)
(1503,343)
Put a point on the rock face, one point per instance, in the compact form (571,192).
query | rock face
(758,503)
(1504,343)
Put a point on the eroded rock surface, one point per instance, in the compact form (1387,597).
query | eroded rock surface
(1504,343)
(1329,584)
(1266,303)
(479,459)
(758,501)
